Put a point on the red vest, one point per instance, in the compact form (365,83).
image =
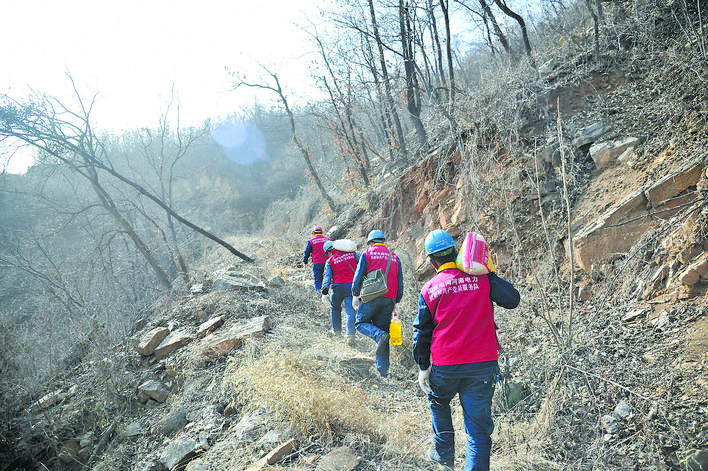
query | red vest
(463,316)
(318,255)
(343,265)
(377,258)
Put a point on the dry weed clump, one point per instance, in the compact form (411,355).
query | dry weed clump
(304,382)
(291,391)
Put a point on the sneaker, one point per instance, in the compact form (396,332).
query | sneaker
(382,343)
(447,464)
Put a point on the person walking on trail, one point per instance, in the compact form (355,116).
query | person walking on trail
(337,283)
(314,247)
(373,318)
(455,346)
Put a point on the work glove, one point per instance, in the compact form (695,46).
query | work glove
(355,302)
(424,381)
(325,299)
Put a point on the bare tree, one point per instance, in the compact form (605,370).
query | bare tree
(522,24)
(277,89)
(387,81)
(488,17)
(444,4)
(596,14)
(68,139)
(343,112)
(413,101)
(164,149)
(436,43)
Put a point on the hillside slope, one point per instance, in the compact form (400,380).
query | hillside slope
(604,361)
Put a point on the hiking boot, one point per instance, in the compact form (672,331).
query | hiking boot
(445,464)
(351,341)
(382,343)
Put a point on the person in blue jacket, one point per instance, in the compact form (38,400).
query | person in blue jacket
(337,282)
(455,346)
(373,318)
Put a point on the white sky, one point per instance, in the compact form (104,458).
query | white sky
(131,52)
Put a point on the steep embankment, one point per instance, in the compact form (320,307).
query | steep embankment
(612,377)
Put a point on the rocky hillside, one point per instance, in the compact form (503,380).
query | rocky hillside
(604,362)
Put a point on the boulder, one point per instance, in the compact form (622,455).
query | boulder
(604,153)
(210,326)
(171,343)
(176,451)
(151,339)
(152,390)
(590,134)
(220,343)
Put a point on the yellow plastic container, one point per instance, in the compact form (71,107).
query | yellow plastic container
(396,330)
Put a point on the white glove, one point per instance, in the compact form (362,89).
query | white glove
(424,381)
(355,302)
(325,299)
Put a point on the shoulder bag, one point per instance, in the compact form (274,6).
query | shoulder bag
(374,284)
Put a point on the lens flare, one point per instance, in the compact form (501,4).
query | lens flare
(242,142)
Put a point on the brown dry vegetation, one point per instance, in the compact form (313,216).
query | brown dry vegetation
(566,364)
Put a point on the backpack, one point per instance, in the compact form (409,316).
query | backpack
(474,257)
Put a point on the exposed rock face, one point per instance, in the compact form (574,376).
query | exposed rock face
(621,226)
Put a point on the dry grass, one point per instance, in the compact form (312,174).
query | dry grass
(302,383)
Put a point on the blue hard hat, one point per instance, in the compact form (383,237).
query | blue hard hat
(438,241)
(375,235)
(327,245)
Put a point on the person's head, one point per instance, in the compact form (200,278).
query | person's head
(440,247)
(328,247)
(375,237)
(317,230)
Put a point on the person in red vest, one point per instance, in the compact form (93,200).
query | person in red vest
(373,318)
(337,282)
(455,346)
(315,248)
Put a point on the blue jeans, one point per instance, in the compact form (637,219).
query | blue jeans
(318,272)
(338,293)
(373,319)
(474,382)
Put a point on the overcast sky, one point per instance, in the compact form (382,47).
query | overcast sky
(131,52)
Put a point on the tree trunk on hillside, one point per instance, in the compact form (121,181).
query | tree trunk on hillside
(436,43)
(522,25)
(387,83)
(495,25)
(413,102)
(383,109)
(448,37)
(596,27)
(303,150)
(349,133)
